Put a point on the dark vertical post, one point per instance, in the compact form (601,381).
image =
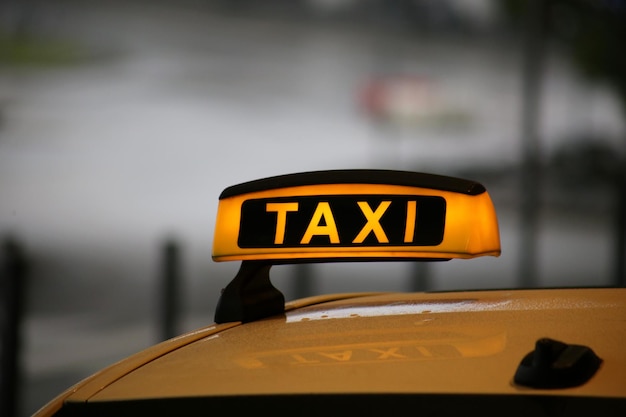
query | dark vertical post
(303,282)
(531,176)
(170,289)
(13,283)
(619,257)
(420,278)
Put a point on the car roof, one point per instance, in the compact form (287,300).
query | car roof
(455,343)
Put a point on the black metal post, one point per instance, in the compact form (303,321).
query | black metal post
(531,176)
(170,290)
(303,282)
(420,278)
(13,283)
(619,256)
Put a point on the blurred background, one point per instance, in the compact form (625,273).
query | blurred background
(122,121)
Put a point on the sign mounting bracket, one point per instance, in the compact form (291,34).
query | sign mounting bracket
(250,295)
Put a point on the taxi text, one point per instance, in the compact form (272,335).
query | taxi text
(342,221)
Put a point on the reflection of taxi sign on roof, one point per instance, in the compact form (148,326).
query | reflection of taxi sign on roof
(363,214)
(343,215)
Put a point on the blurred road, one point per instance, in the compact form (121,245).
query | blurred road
(104,157)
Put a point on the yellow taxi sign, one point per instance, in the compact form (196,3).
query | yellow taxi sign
(355,215)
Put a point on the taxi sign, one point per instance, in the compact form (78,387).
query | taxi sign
(355,215)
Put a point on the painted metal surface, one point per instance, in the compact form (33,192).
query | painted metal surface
(466,342)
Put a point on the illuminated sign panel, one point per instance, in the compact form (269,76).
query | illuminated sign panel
(331,220)
(355,214)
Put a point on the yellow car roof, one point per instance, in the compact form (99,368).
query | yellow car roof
(444,343)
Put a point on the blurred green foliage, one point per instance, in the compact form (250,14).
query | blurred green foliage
(31,51)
